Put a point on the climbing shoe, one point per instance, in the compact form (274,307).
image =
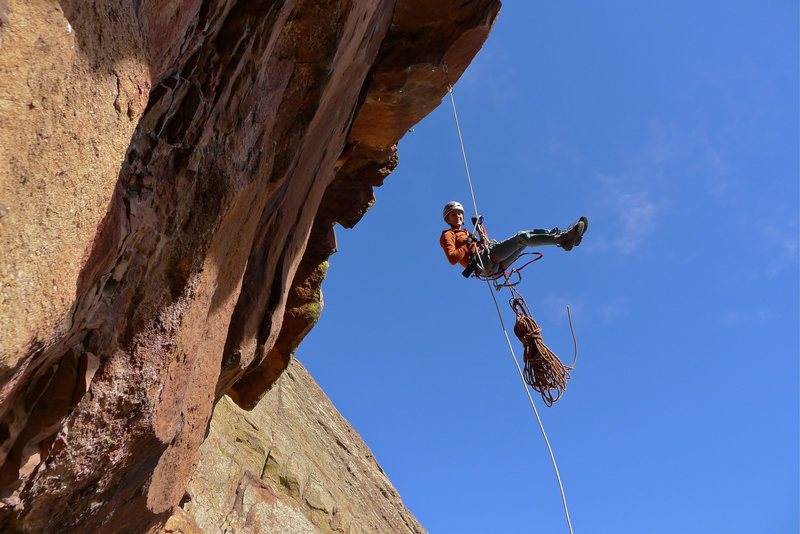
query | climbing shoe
(585,221)
(574,234)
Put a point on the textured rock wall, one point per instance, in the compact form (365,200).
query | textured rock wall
(171,173)
(292,464)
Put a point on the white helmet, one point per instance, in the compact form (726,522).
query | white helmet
(450,207)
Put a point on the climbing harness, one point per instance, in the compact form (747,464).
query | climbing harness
(544,372)
(505,278)
(502,277)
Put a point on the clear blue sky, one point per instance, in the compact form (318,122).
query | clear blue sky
(674,127)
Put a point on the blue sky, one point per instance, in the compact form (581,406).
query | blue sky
(674,127)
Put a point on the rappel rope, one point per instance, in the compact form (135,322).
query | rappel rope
(500,315)
(461,142)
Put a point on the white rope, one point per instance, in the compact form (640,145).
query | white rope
(502,323)
(463,152)
(533,405)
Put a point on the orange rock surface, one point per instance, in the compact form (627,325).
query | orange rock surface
(170,174)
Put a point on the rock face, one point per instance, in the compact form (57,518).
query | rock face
(293,464)
(171,172)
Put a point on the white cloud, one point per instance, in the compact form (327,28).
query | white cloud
(490,74)
(555,308)
(711,166)
(616,307)
(668,161)
(731,317)
(564,152)
(635,221)
(636,216)
(786,243)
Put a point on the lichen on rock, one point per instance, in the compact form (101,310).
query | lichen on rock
(292,458)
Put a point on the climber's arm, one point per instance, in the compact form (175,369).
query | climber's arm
(456,252)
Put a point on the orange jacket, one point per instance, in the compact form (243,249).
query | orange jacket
(456,246)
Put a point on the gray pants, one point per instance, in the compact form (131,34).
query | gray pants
(500,255)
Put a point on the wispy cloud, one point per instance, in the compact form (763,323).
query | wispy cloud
(786,242)
(635,220)
(646,177)
(555,307)
(615,308)
(731,317)
(670,150)
(636,215)
(490,74)
(564,151)
(713,168)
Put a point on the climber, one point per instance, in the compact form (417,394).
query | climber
(487,257)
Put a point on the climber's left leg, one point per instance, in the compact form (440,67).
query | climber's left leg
(509,250)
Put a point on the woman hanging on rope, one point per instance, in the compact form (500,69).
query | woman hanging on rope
(488,257)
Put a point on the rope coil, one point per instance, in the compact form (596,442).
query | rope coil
(544,371)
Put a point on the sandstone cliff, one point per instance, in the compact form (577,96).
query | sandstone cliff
(171,172)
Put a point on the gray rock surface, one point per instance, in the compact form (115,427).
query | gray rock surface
(292,465)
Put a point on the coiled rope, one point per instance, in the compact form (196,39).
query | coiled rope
(500,315)
(544,371)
